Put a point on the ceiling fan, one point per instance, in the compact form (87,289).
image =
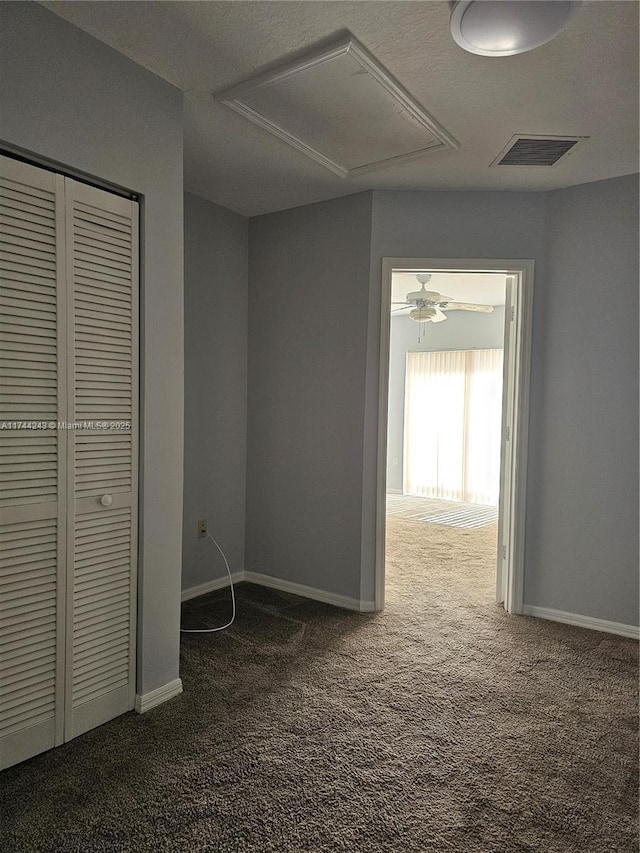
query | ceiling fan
(429,306)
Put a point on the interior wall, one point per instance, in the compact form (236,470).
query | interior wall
(308,300)
(582,543)
(313,344)
(71,99)
(462,330)
(441,225)
(215,393)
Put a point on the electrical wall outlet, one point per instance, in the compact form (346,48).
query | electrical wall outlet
(202,528)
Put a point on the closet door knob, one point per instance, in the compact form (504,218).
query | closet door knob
(106,500)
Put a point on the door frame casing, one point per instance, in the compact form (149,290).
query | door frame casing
(515,405)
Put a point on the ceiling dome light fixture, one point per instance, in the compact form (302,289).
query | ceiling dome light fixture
(507,27)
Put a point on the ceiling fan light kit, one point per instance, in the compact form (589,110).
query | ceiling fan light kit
(508,27)
(423,315)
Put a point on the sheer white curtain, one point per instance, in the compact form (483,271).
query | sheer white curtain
(452,425)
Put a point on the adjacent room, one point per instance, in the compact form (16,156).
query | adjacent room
(319,426)
(445,424)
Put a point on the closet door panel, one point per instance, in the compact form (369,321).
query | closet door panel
(32,460)
(102,261)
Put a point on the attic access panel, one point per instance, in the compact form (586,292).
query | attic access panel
(341,108)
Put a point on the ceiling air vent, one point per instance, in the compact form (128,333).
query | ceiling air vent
(535,150)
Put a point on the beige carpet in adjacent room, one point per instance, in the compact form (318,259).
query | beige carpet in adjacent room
(442,725)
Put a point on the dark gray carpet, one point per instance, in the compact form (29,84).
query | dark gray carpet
(441,725)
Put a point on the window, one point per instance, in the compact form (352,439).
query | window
(452,432)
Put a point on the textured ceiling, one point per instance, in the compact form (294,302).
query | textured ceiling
(583,83)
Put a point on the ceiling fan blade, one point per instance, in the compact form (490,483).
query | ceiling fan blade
(427,296)
(468,306)
(439,316)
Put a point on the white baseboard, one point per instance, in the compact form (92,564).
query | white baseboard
(395,492)
(146,701)
(582,621)
(309,592)
(282,585)
(210,586)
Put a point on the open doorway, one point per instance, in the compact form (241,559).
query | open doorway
(455,352)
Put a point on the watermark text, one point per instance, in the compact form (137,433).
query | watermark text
(118,426)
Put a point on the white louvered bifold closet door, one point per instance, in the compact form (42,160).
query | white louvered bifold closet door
(68,496)
(102,272)
(32,460)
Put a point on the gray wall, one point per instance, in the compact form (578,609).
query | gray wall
(443,225)
(582,543)
(215,391)
(461,330)
(308,300)
(66,97)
